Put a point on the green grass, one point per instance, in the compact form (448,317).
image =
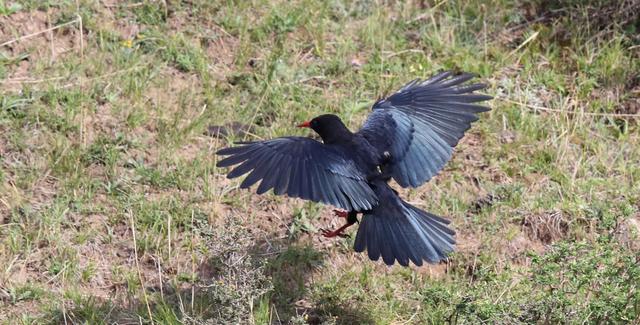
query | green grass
(108,138)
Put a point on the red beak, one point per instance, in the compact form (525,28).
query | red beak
(306,124)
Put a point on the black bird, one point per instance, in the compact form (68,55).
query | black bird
(409,137)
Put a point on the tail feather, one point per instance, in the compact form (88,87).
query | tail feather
(397,244)
(400,250)
(441,233)
(388,249)
(398,231)
(371,243)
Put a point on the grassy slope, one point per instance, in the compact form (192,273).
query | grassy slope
(545,203)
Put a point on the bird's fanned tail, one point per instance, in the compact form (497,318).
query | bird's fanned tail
(397,230)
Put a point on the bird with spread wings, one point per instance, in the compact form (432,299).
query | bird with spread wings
(408,137)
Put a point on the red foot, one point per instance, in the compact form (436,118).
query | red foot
(338,232)
(341,214)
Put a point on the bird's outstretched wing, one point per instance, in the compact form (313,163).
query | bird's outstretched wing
(303,168)
(421,123)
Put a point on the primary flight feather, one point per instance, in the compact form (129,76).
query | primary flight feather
(408,137)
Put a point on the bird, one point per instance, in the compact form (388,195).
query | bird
(408,137)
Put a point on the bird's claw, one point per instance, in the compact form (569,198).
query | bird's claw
(340,231)
(334,233)
(340,214)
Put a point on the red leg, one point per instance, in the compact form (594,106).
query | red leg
(338,232)
(350,218)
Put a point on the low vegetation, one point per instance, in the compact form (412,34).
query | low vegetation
(112,209)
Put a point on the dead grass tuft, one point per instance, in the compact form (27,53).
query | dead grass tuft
(546,227)
(627,233)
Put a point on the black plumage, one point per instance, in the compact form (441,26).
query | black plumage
(304,168)
(409,137)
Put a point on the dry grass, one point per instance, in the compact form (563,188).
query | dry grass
(116,134)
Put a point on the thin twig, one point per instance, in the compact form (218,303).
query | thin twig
(311,78)
(38,33)
(24,80)
(277,315)
(484,31)
(509,287)
(525,24)
(81,38)
(193,263)
(79,18)
(546,109)
(403,52)
(51,47)
(158,261)
(527,41)
(64,313)
(223,30)
(169,233)
(6,271)
(135,251)
(257,111)
(166,9)
(429,11)
(36,81)
(127,6)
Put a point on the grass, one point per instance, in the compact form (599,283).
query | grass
(109,137)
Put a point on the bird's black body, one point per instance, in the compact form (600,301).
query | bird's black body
(333,132)
(409,137)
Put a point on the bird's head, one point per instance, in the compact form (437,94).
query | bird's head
(329,127)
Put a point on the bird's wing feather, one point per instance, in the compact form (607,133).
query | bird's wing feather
(421,123)
(301,167)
